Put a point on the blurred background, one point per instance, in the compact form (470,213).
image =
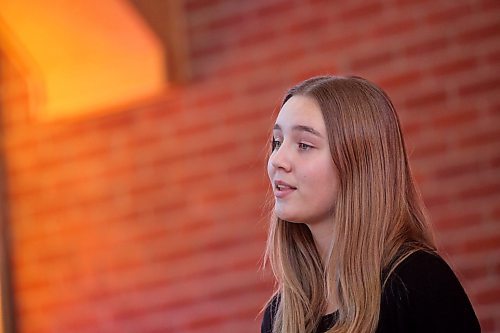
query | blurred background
(134,136)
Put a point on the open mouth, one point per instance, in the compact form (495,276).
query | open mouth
(281,187)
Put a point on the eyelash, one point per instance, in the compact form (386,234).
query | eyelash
(304,146)
(275,144)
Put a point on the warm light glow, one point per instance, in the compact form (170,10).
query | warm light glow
(82,56)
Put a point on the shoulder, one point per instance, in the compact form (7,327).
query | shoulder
(426,275)
(423,260)
(423,268)
(419,273)
(425,291)
(269,314)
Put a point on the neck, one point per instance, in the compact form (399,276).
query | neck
(323,235)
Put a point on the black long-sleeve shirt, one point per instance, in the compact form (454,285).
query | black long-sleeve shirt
(422,295)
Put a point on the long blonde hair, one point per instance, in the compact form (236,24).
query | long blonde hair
(378,221)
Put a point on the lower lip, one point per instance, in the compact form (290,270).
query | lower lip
(283,193)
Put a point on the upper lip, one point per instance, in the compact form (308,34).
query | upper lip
(282,183)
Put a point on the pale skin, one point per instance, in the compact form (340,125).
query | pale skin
(302,173)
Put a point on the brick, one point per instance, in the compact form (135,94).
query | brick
(432,201)
(340,43)
(214,48)
(193,5)
(276,59)
(213,98)
(451,67)
(412,129)
(454,120)
(455,221)
(480,139)
(392,28)
(493,57)
(409,2)
(474,272)
(488,6)
(372,61)
(453,13)
(430,150)
(360,11)
(489,84)
(495,214)
(487,324)
(426,46)
(480,191)
(242,68)
(426,99)
(275,9)
(227,22)
(257,38)
(396,80)
(309,25)
(490,296)
(477,245)
(460,169)
(488,30)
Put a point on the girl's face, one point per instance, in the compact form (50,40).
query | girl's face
(301,169)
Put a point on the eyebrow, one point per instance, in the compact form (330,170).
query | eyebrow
(301,128)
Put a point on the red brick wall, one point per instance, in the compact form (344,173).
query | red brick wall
(153,220)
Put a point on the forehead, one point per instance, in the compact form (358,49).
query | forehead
(301,110)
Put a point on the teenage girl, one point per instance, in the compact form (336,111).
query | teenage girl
(348,242)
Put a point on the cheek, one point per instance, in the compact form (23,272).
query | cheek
(322,180)
(331,190)
(316,173)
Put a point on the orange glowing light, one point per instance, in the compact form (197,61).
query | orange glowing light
(82,56)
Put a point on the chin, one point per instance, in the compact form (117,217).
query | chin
(288,217)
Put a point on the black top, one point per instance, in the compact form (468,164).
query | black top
(422,295)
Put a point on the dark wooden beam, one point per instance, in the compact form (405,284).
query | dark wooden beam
(167,20)
(7,315)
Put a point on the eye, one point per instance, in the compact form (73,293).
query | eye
(275,144)
(304,146)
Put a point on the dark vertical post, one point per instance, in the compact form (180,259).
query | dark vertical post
(7,315)
(167,20)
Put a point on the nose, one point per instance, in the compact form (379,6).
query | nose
(280,159)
